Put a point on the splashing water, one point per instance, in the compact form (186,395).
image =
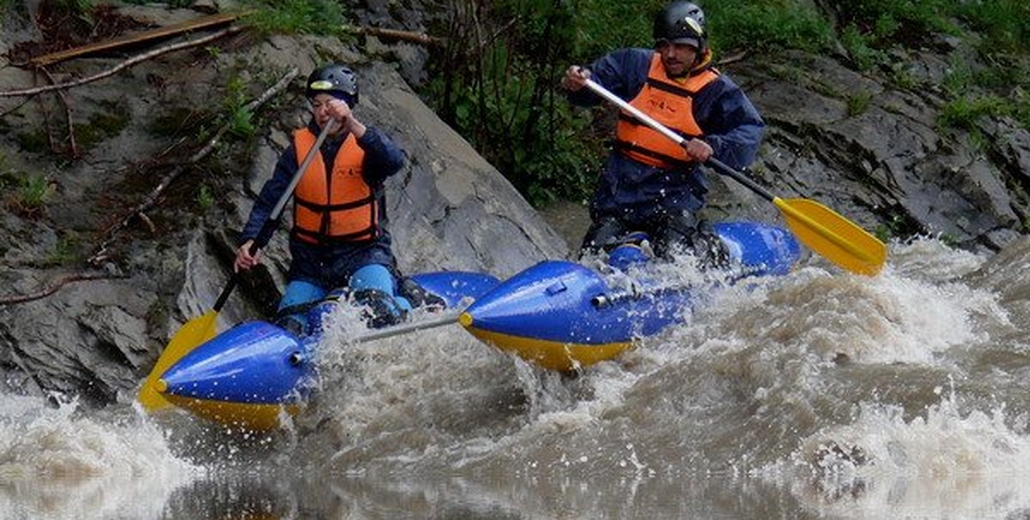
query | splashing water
(54,464)
(819,394)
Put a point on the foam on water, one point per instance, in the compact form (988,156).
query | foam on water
(55,464)
(942,464)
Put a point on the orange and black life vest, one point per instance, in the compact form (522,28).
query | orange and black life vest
(670,103)
(335,205)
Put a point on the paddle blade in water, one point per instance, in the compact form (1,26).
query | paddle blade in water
(834,237)
(194,333)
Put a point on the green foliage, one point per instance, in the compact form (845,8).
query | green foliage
(205,197)
(897,225)
(602,25)
(912,23)
(241,122)
(322,17)
(860,47)
(882,24)
(765,25)
(1005,24)
(904,79)
(965,111)
(32,194)
(502,96)
(858,103)
(240,118)
(66,252)
(1021,109)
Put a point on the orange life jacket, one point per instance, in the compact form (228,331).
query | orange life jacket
(670,103)
(337,205)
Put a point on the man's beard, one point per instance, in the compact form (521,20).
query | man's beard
(684,70)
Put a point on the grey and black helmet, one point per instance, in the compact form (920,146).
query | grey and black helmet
(681,22)
(336,80)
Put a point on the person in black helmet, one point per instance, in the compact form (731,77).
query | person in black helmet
(339,237)
(650,183)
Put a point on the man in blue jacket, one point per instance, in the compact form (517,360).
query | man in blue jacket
(339,237)
(650,183)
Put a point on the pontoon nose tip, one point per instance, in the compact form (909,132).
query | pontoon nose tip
(161,386)
(465,319)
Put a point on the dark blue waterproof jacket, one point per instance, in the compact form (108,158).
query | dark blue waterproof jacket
(330,266)
(635,192)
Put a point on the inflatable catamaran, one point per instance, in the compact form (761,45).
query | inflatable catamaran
(558,314)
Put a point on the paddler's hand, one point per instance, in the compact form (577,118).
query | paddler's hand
(245,260)
(575,78)
(341,112)
(698,150)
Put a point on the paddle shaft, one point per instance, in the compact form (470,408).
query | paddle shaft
(722,167)
(277,211)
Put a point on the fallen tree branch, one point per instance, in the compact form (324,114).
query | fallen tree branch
(410,36)
(733,58)
(56,285)
(123,65)
(100,253)
(137,38)
(72,146)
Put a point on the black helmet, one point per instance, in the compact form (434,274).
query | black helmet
(681,22)
(334,79)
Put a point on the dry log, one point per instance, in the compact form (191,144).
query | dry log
(133,39)
(125,64)
(397,34)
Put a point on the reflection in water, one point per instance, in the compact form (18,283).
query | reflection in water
(234,497)
(818,395)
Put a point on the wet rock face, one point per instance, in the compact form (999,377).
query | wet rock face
(877,154)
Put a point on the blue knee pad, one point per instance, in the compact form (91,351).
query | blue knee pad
(377,277)
(292,311)
(300,293)
(374,287)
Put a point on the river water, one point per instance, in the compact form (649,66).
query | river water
(816,395)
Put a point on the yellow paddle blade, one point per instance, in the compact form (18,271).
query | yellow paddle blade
(193,334)
(836,238)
